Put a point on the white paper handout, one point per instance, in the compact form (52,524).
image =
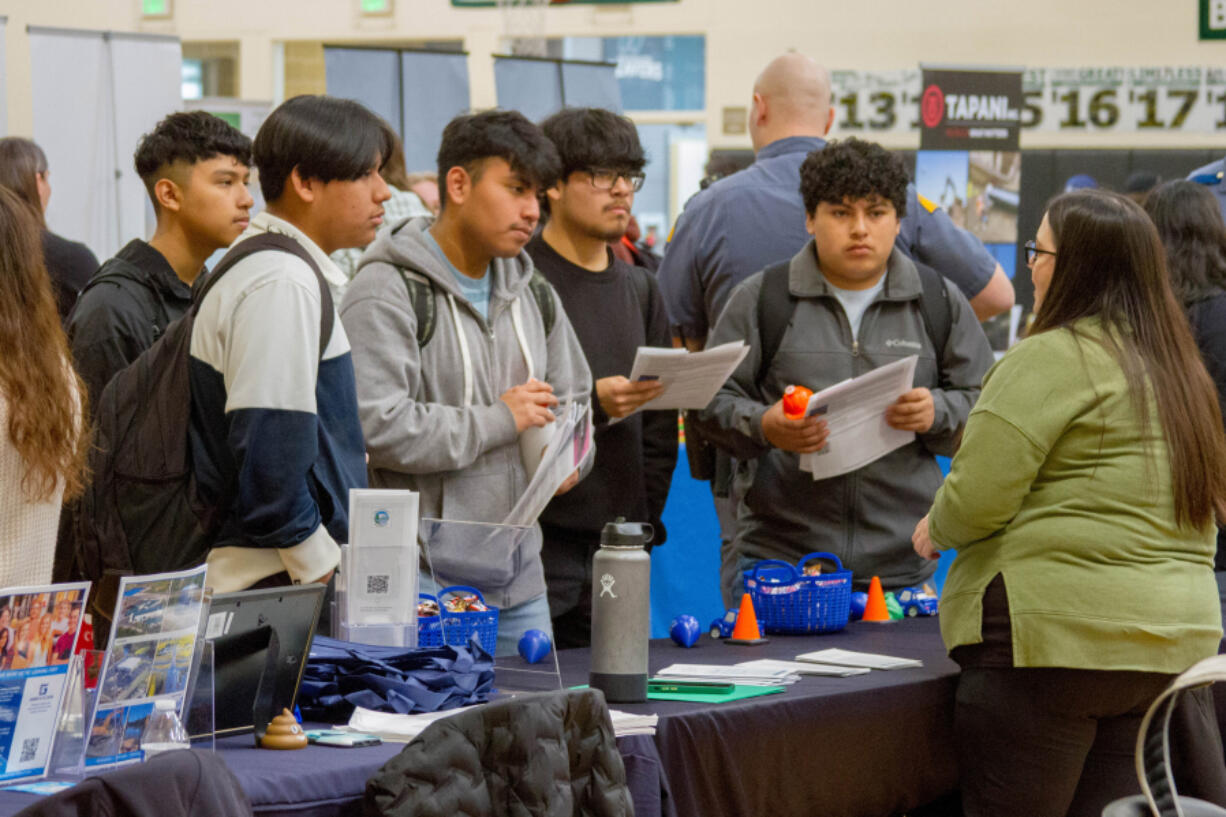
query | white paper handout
(854,411)
(690,379)
(552,453)
(805,668)
(850,658)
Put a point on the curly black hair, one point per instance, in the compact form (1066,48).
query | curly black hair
(853,169)
(188,136)
(469,139)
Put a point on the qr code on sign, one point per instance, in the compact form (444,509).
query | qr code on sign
(377,585)
(29,747)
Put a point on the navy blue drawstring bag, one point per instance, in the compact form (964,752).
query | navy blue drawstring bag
(341,675)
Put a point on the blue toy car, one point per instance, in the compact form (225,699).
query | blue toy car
(916,602)
(722,626)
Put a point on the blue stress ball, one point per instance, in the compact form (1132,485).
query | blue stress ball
(858,602)
(534,645)
(684,630)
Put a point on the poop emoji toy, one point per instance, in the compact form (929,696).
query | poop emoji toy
(284,733)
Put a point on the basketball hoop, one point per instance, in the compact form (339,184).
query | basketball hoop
(523,26)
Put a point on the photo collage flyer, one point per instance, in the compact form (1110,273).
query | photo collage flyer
(156,625)
(39,628)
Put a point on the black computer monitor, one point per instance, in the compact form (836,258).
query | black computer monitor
(261,641)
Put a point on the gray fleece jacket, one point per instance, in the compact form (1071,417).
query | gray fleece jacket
(432,417)
(865,517)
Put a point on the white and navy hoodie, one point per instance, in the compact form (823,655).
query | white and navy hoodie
(266,408)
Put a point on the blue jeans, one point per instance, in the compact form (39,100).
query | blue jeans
(513,622)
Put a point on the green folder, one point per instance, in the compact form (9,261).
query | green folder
(739,692)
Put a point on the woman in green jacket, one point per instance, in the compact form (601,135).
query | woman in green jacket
(1082,506)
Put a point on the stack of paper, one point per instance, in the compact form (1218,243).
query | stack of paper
(848,658)
(396,728)
(747,676)
(804,667)
(551,453)
(625,723)
(854,411)
(391,726)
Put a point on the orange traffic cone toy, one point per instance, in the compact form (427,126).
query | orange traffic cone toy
(875,609)
(746,630)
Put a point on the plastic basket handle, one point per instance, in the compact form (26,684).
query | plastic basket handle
(462,588)
(819,554)
(427,597)
(772,563)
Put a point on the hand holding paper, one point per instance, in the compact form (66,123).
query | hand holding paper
(619,396)
(913,411)
(530,403)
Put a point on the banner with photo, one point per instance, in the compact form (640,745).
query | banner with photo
(39,629)
(158,620)
(970,163)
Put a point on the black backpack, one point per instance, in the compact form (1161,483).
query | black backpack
(775,308)
(143,511)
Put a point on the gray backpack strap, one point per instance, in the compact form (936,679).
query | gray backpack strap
(421,299)
(543,293)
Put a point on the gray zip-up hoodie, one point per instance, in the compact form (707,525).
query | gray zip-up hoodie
(432,417)
(866,517)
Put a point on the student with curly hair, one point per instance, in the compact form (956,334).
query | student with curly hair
(858,303)
(42,439)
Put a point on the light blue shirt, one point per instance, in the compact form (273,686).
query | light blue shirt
(855,302)
(475,290)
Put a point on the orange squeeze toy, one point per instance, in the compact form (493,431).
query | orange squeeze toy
(796,402)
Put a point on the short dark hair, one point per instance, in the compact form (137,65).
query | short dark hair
(471,138)
(594,137)
(325,137)
(853,169)
(187,136)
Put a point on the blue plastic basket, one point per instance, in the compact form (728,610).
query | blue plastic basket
(454,629)
(788,602)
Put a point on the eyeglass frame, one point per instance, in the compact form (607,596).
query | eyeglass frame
(633,178)
(1033,251)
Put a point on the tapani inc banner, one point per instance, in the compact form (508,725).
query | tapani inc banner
(1091,99)
(970,110)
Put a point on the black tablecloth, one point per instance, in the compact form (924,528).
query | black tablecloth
(870,745)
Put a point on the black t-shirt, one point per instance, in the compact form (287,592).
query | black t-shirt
(613,313)
(70,264)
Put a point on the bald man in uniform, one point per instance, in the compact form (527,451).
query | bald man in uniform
(755,218)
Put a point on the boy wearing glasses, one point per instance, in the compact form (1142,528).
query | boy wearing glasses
(615,308)
(459,346)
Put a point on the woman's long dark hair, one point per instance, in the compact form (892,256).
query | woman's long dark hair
(1189,223)
(1110,264)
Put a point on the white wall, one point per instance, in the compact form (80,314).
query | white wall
(741,37)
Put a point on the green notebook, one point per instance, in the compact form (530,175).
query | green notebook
(739,692)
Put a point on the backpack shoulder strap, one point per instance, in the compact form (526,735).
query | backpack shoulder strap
(776,306)
(421,298)
(543,293)
(934,308)
(115,270)
(275,241)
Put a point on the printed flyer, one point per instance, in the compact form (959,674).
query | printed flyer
(156,624)
(39,628)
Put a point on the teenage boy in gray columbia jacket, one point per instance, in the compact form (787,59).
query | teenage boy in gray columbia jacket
(857,307)
(444,418)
